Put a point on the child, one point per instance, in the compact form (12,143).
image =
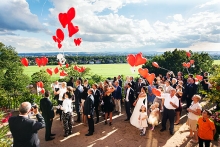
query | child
(154,115)
(143,120)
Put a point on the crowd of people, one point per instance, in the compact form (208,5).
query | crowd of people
(142,106)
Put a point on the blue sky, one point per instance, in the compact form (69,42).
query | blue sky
(112,25)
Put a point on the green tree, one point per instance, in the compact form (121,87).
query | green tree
(172,60)
(43,76)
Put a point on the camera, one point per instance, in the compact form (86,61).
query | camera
(33,106)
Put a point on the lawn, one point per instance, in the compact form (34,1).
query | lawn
(105,70)
(216,61)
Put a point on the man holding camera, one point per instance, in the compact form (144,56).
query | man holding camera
(23,129)
(46,108)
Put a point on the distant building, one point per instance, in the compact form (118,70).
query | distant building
(97,62)
(91,62)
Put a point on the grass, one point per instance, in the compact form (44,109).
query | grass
(105,70)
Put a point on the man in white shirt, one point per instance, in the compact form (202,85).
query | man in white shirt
(171,102)
(129,99)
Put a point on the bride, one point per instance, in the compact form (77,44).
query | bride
(139,102)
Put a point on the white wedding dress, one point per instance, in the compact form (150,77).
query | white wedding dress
(134,117)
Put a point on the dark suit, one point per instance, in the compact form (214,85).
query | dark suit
(88,109)
(120,82)
(24,130)
(129,103)
(97,95)
(191,89)
(138,88)
(46,108)
(78,96)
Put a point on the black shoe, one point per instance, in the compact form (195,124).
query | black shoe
(171,132)
(96,122)
(106,123)
(162,130)
(51,138)
(126,120)
(110,123)
(77,121)
(89,134)
(65,135)
(70,132)
(52,134)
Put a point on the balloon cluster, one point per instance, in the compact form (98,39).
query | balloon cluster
(65,20)
(190,63)
(79,69)
(145,74)
(40,87)
(136,60)
(41,61)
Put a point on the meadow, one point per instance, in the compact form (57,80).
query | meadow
(105,70)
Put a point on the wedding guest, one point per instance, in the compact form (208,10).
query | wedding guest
(46,108)
(119,80)
(23,129)
(67,113)
(61,92)
(171,102)
(56,88)
(174,83)
(191,90)
(117,97)
(132,83)
(167,86)
(193,116)
(78,96)
(88,111)
(206,129)
(143,120)
(71,82)
(150,95)
(138,86)
(97,99)
(179,94)
(154,115)
(86,87)
(108,103)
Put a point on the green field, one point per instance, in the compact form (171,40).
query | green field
(105,70)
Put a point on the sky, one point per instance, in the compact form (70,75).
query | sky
(112,25)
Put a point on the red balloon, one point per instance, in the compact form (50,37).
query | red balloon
(199,77)
(78,41)
(60,64)
(71,14)
(188,54)
(72,29)
(54,38)
(63,19)
(40,84)
(56,70)
(150,78)
(131,59)
(143,72)
(67,65)
(191,61)
(24,61)
(188,65)
(49,71)
(156,92)
(75,68)
(63,73)
(140,60)
(44,61)
(59,45)
(38,61)
(42,91)
(81,69)
(60,34)
(155,64)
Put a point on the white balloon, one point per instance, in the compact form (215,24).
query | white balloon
(59,56)
(132,69)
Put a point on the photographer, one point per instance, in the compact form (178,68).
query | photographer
(23,129)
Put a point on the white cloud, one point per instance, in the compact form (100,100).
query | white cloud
(178,17)
(16,15)
(213,2)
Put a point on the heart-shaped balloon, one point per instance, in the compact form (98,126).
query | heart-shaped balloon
(63,19)
(56,70)
(75,67)
(199,77)
(81,69)
(63,73)
(188,54)
(140,60)
(60,64)
(54,38)
(191,61)
(143,72)
(42,91)
(156,92)
(188,65)
(49,71)
(131,59)
(59,45)
(38,61)
(24,61)
(60,34)
(67,65)
(72,29)
(77,41)
(150,78)
(71,14)
(44,61)
(40,84)
(155,64)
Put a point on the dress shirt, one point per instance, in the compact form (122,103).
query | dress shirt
(62,91)
(127,95)
(169,99)
(67,105)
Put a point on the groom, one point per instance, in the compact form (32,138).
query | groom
(129,99)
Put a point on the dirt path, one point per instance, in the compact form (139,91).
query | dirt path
(120,134)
